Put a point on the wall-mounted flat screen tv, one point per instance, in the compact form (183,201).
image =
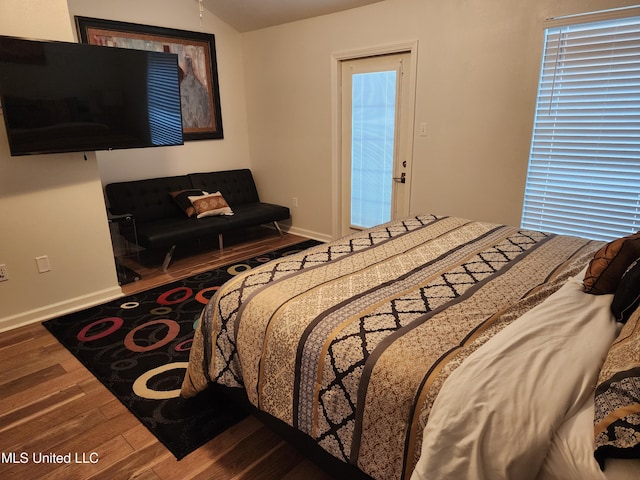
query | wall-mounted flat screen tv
(71,97)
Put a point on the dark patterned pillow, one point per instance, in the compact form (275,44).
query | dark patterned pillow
(181,197)
(627,296)
(617,397)
(609,264)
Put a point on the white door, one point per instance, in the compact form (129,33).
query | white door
(376,140)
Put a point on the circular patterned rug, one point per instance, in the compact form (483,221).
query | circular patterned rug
(138,347)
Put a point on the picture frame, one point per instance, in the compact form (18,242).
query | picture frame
(200,92)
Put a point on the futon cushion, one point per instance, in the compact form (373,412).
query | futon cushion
(147,199)
(257,214)
(237,186)
(609,264)
(170,231)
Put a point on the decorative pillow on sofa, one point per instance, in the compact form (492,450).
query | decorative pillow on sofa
(210,204)
(627,296)
(181,197)
(617,398)
(609,264)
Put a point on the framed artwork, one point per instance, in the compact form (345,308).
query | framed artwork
(199,90)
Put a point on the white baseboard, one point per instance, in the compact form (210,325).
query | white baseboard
(97,298)
(59,309)
(321,237)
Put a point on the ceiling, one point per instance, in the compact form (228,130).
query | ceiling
(247,15)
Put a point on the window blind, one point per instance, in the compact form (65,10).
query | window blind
(584,163)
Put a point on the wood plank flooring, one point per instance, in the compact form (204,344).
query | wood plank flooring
(51,405)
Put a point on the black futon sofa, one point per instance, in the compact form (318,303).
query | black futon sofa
(159,223)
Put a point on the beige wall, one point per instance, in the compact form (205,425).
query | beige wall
(53,204)
(50,205)
(193,156)
(478,65)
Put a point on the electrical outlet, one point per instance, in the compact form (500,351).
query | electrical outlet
(4,274)
(295,202)
(43,264)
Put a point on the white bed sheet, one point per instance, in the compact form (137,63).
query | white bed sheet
(521,407)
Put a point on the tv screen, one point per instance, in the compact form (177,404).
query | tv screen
(72,97)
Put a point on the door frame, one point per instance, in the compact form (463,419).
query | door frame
(336,116)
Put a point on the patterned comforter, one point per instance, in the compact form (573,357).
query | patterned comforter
(351,341)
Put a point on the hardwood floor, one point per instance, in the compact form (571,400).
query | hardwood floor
(51,405)
(237,247)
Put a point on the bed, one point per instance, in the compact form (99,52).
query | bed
(436,347)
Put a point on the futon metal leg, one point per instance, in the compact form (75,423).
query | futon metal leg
(167,259)
(275,224)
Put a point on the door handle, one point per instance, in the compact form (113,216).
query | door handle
(401,179)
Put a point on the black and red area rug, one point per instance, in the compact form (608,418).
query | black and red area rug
(138,347)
